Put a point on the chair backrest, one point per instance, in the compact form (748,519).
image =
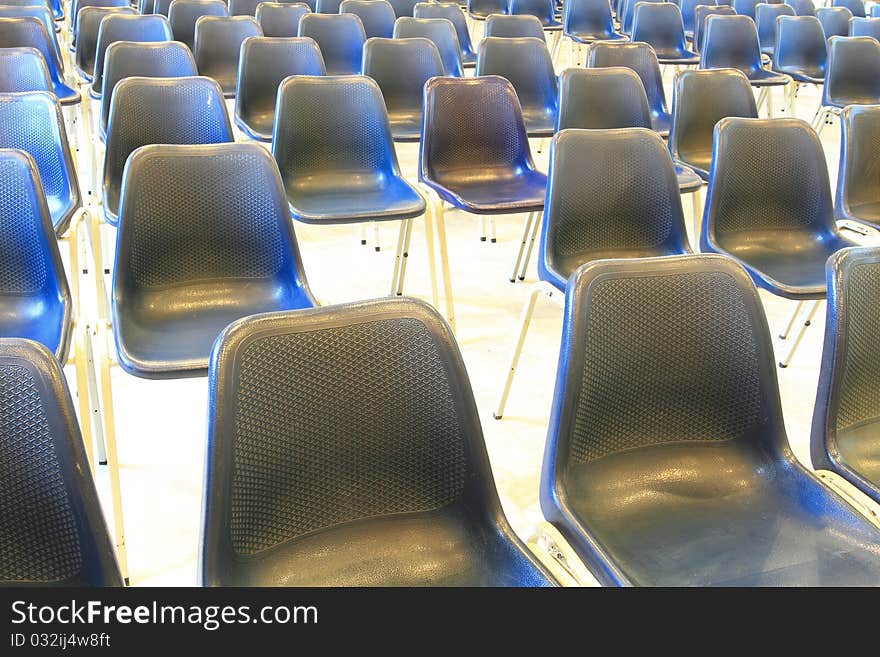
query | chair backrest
(170,59)
(377,16)
(404,7)
(53,525)
(243,7)
(327,6)
(688,12)
(281,19)
(835,20)
(701,15)
(746,7)
(23,69)
(123,27)
(401,67)
(218,47)
(875,11)
(439,30)
(30,10)
(610,193)
(162,7)
(587,17)
(802,7)
(513,27)
(765,17)
(184,14)
(340,37)
(629,13)
(527,64)
(659,24)
(767,175)
(344,385)
(452,12)
(543,10)
(160,111)
(30,32)
(77,6)
(602,99)
(484,8)
(858,182)
(851,73)
(865,27)
(731,42)
(33,123)
(90,19)
(800,44)
(856,7)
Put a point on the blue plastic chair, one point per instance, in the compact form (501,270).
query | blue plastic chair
(850,76)
(162,7)
(865,27)
(341,39)
(858,188)
(628,14)
(732,42)
(875,11)
(390,484)
(30,32)
(701,16)
(746,8)
(327,6)
(184,14)
(452,12)
(801,52)
(835,20)
(32,122)
(845,439)
(23,69)
(204,239)
(802,7)
(79,5)
(279,19)
(54,528)
(243,7)
(218,46)
(585,21)
(506,26)
(527,64)
(40,11)
(158,111)
(543,10)
(640,58)
(404,7)
(265,63)
(659,24)
(766,16)
(35,301)
(122,27)
(441,32)
(688,14)
(698,390)
(856,7)
(479,10)
(90,19)
(377,16)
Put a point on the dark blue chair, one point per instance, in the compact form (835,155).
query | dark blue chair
(845,437)
(280,19)
(161,7)
(441,32)
(543,10)
(835,20)
(856,7)
(57,7)
(765,18)
(875,11)
(585,21)
(341,39)
(265,63)
(35,301)
(801,52)
(659,24)
(30,10)
(243,7)
(404,7)
(377,16)
(640,58)
(701,15)
(218,46)
(54,531)
(850,76)
(746,8)
(23,69)
(665,474)
(506,26)
(78,5)
(401,67)
(122,27)
(628,8)
(479,10)
(527,64)
(327,6)
(732,42)
(865,27)
(688,14)
(29,32)
(388,482)
(858,186)
(184,14)
(204,239)
(452,12)
(32,122)
(158,111)
(90,19)
(802,7)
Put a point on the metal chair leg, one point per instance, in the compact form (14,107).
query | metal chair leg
(492,236)
(800,335)
(444,264)
(404,255)
(790,323)
(522,246)
(528,255)
(483,228)
(377,246)
(396,275)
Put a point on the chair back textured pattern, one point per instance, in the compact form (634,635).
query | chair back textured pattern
(385,495)
(29,32)
(40,12)
(627,414)
(858,182)
(280,19)
(23,69)
(124,27)
(377,16)
(602,99)
(801,50)
(205,238)
(341,39)
(439,30)
(53,528)
(453,13)
(185,13)
(218,47)
(35,299)
(851,73)
(732,42)
(513,27)
(660,25)
(90,19)
(766,16)
(586,21)
(835,20)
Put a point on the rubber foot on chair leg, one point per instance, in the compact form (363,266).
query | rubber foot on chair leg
(807,323)
(522,278)
(513,280)
(127,581)
(482,239)
(377,249)
(107,271)
(493,240)
(363,242)
(102,462)
(497,417)
(782,365)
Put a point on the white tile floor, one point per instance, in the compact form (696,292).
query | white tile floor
(161,424)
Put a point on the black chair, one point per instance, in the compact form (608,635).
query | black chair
(218,46)
(765,19)
(850,76)
(801,52)
(845,437)
(513,27)
(452,12)
(377,16)
(90,19)
(660,25)
(401,67)
(834,20)
(205,238)
(184,14)
(665,474)
(53,527)
(30,32)
(281,19)
(769,206)
(439,30)
(858,186)
(265,63)
(379,474)
(341,39)
(124,27)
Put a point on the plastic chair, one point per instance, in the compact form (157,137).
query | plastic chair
(29,32)
(41,12)
(243,7)
(401,67)
(766,16)
(403,496)
(90,19)
(688,15)
(279,19)
(452,12)
(746,8)
(513,27)
(835,20)
(701,15)
(79,5)
(218,45)
(479,10)
(640,58)
(851,76)
(743,511)
(265,63)
(700,99)
(341,39)
(53,524)
(585,21)
(162,7)
(875,11)
(659,24)
(543,10)
(33,123)
(122,27)
(769,206)
(611,194)
(856,7)
(404,7)
(858,188)
(845,440)
(628,14)
(158,60)
(159,111)
(438,30)
(23,69)
(184,14)
(802,7)
(527,64)
(204,239)
(801,52)
(377,16)
(327,6)
(865,27)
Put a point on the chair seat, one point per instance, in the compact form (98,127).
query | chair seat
(589,37)
(539,122)
(564,266)
(720,513)
(688,179)
(469,59)
(356,199)
(700,162)
(805,75)
(487,192)
(65,94)
(406,125)
(168,332)
(660,123)
(257,123)
(859,448)
(677,57)
(61,210)
(439,548)
(761,77)
(37,318)
(867,213)
(841,102)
